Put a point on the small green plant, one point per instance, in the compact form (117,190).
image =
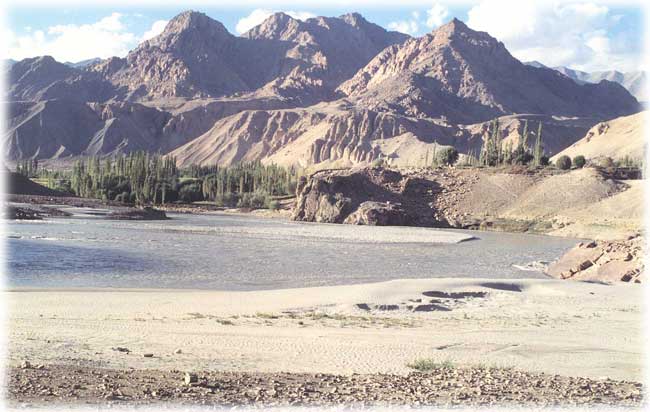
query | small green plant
(579,161)
(427,365)
(446,156)
(563,162)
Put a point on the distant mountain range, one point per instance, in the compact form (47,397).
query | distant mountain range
(324,91)
(635,82)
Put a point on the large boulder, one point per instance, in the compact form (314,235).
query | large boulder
(378,214)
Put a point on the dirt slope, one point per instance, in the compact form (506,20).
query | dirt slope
(617,138)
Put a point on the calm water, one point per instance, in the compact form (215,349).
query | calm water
(245,253)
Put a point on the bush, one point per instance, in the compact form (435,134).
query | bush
(447,156)
(378,163)
(123,197)
(544,161)
(274,205)
(605,162)
(563,162)
(257,200)
(522,158)
(579,161)
(190,193)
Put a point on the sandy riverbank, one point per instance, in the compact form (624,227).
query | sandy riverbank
(552,326)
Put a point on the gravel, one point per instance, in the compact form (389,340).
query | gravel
(441,386)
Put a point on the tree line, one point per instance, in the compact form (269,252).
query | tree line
(145,178)
(495,153)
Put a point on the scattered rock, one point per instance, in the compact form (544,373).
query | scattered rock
(178,351)
(190,378)
(441,386)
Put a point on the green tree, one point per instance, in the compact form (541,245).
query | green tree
(538,152)
(563,162)
(579,161)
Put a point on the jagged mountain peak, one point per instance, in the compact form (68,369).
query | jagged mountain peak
(188,28)
(354,19)
(192,20)
(276,26)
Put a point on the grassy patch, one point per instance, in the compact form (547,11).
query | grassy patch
(427,365)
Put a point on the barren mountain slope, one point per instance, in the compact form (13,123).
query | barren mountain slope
(339,135)
(42,78)
(468,76)
(196,56)
(616,138)
(327,50)
(635,82)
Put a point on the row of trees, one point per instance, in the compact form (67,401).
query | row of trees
(495,153)
(138,177)
(27,167)
(145,178)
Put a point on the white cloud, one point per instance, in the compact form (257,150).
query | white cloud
(156,28)
(404,26)
(257,16)
(436,15)
(578,35)
(70,42)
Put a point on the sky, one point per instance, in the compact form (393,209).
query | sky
(587,36)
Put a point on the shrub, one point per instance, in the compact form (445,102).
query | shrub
(579,161)
(447,156)
(427,365)
(544,161)
(123,197)
(378,163)
(605,162)
(189,193)
(563,162)
(256,200)
(522,158)
(274,205)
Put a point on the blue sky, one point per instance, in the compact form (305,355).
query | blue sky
(582,35)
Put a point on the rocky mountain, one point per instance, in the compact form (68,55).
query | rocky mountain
(329,50)
(327,91)
(195,56)
(468,76)
(635,81)
(83,63)
(43,78)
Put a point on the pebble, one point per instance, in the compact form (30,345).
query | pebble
(438,387)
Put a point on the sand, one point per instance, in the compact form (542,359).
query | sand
(558,327)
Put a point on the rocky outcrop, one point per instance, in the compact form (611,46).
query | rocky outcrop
(145,213)
(374,196)
(515,200)
(608,261)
